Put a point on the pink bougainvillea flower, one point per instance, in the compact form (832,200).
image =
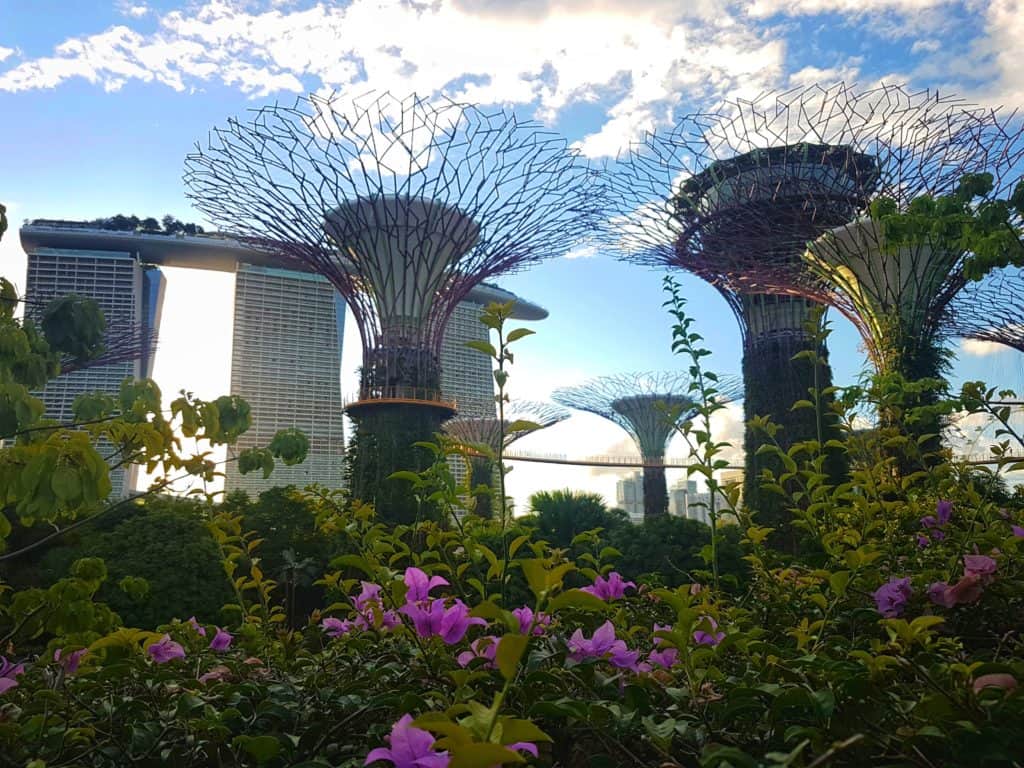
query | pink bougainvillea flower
(8,674)
(939,594)
(419,585)
(69,661)
(336,627)
(664,657)
(980,565)
(196,626)
(434,619)
(526,618)
(923,541)
(712,638)
(944,511)
(995,680)
(967,590)
(523,746)
(164,650)
(221,641)
(611,588)
(1018,531)
(219,672)
(603,645)
(370,594)
(481,648)
(409,748)
(891,598)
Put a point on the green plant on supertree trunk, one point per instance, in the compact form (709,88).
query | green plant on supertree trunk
(779,372)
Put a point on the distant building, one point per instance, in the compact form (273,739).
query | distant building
(685,501)
(127,291)
(629,496)
(286,363)
(288,332)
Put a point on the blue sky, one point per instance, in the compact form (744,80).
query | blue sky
(102,100)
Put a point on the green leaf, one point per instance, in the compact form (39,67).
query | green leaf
(483,346)
(575,598)
(261,748)
(510,651)
(514,729)
(518,333)
(482,755)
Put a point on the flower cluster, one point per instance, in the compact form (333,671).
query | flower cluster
(8,674)
(934,525)
(411,747)
(165,649)
(891,598)
(979,570)
(612,588)
(370,614)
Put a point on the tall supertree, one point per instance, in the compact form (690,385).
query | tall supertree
(735,195)
(522,417)
(722,194)
(649,406)
(991,309)
(404,205)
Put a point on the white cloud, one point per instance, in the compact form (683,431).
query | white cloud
(5,52)
(925,46)
(764,8)
(639,57)
(981,348)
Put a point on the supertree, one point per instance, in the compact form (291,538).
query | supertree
(735,195)
(649,406)
(522,417)
(122,343)
(991,309)
(404,205)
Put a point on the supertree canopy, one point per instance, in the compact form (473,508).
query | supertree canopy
(522,417)
(991,309)
(404,205)
(735,195)
(649,406)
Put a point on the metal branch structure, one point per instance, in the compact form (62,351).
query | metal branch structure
(991,309)
(491,435)
(735,195)
(404,205)
(649,406)
(122,343)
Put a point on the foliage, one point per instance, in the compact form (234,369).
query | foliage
(889,637)
(562,515)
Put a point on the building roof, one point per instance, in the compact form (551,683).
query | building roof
(207,251)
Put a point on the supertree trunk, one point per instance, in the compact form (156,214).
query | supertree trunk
(482,473)
(655,494)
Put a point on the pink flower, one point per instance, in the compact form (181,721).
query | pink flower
(221,641)
(1018,531)
(71,661)
(435,620)
(481,648)
(8,674)
(165,650)
(980,565)
(944,511)
(419,585)
(611,589)
(336,627)
(219,672)
(196,626)
(891,598)
(665,657)
(712,638)
(370,594)
(527,618)
(967,590)
(603,645)
(995,680)
(409,748)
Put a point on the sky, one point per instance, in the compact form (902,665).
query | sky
(101,101)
